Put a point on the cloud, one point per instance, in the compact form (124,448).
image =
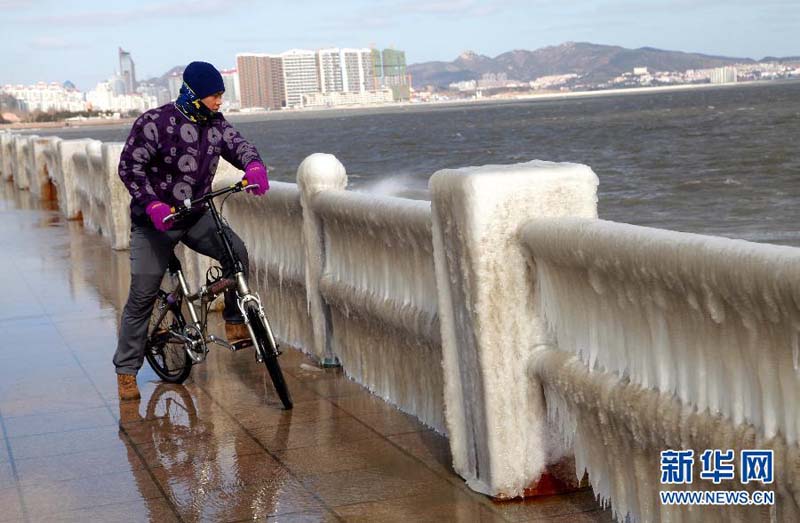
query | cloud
(8,5)
(53,43)
(457,8)
(417,10)
(181,8)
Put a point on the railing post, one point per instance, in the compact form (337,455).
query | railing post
(119,199)
(490,324)
(318,172)
(65,178)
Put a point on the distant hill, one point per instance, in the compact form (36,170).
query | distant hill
(163,79)
(597,63)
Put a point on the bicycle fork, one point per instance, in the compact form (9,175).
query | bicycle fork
(245,297)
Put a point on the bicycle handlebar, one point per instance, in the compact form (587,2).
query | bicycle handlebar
(237,187)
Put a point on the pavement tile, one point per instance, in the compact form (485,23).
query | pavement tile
(58,422)
(348,487)
(51,497)
(437,506)
(313,434)
(11,505)
(58,443)
(140,511)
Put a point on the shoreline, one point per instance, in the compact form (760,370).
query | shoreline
(305,113)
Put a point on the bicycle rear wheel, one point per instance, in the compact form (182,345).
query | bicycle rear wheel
(270,355)
(165,353)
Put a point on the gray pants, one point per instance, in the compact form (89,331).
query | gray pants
(150,254)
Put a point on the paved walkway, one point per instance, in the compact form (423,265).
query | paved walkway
(217,449)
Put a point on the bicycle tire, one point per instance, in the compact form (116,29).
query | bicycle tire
(269,353)
(167,355)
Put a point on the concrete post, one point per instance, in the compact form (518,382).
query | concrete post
(65,178)
(490,322)
(6,141)
(119,201)
(318,172)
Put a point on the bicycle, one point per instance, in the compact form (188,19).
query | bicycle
(174,344)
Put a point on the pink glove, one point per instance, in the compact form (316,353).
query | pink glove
(256,174)
(157,211)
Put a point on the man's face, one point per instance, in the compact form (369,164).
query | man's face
(213,101)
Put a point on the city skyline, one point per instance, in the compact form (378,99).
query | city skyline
(83,48)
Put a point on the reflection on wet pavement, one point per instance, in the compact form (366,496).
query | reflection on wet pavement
(218,448)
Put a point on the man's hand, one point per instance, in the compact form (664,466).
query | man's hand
(157,211)
(256,174)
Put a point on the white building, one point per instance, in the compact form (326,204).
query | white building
(300,75)
(103,98)
(552,81)
(232,98)
(348,98)
(345,70)
(331,79)
(47,97)
(467,85)
(723,75)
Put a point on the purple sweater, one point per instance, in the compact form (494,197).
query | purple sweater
(168,158)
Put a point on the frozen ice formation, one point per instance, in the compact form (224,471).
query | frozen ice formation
(678,341)
(711,320)
(618,430)
(378,279)
(490,322)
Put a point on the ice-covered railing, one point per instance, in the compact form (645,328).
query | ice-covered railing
(272,229)
(678,341)
(6,162)
(491,325)
(41,163)
(21,160)
(65,174)
(378,279)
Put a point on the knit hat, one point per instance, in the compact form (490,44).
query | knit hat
(203,78)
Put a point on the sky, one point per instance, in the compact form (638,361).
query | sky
(53,40)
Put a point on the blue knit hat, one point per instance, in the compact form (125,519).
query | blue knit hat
(203,78)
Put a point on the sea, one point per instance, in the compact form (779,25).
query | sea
(721,161)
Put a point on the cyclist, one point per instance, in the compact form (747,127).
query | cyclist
(172,154)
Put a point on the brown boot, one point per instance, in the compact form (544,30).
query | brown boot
(236,332)
(126,386)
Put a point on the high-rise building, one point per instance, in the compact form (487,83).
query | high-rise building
(330,71)
(230,78)
(345,70)
(174,83)
(261,82)
(393,73)
(127,71)
(300,74)
(723,75)
(394,63)
(377,68)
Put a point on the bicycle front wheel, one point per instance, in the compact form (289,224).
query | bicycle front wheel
(270,355)
(165,353)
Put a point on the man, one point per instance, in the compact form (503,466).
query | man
(172,154)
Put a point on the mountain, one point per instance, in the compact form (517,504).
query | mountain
(162,81)
(596,63)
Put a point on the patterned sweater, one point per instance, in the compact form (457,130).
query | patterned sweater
(169,158)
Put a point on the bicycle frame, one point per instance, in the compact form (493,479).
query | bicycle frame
(195,301)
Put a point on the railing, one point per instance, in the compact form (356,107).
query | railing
(679,340)
(506,315)
(378,279)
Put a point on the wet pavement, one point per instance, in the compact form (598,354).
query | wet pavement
(218,448)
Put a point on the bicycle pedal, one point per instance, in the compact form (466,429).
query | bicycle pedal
(241,344)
